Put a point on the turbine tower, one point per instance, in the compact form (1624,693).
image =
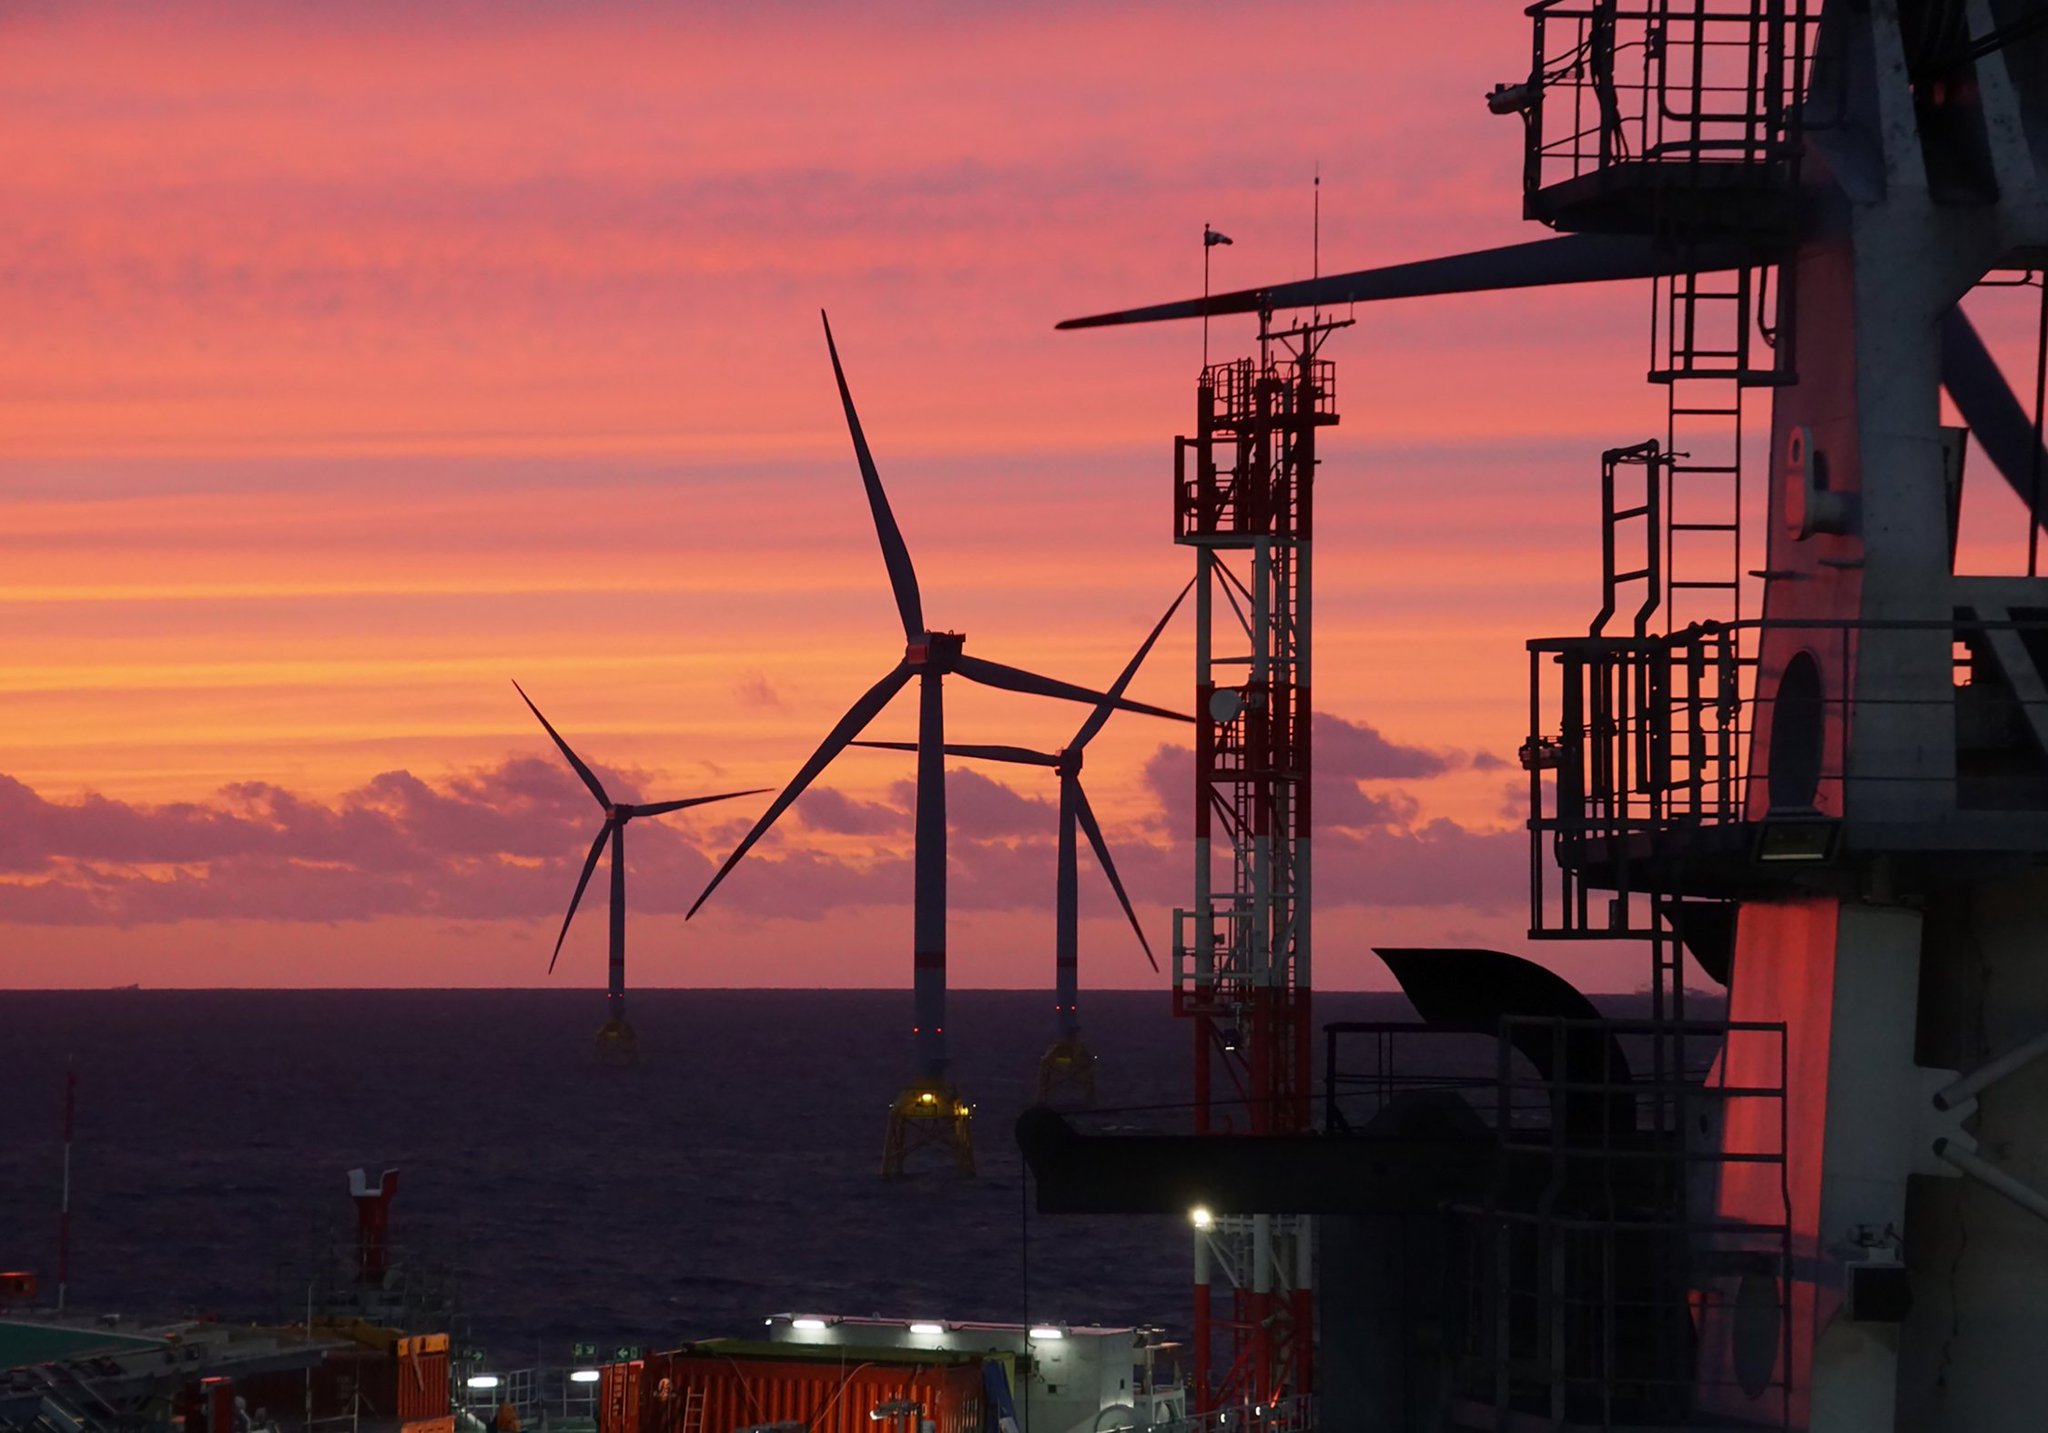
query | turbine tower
(930,1110)
(1068,1065)
(616,1042)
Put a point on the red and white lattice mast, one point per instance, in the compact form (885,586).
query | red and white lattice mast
(1243,500)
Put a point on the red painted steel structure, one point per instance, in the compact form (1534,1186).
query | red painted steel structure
(216,1411)
(1243,499)
(373,1222)
(422,1369)
(706,1389)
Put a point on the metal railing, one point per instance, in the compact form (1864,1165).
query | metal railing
(1635,742)
(545,1396)
(1654,763)
(1294,1414)
(1253,432)
(1369,1065)
(1658,81)
(1635,1186)
(1603,1263)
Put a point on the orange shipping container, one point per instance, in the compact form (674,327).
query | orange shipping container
(618,1397)
(706,1390)
(423,1377)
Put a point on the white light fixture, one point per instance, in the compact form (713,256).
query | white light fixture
(482,1380)
(585,1375)
(807,1323)
(1200,1217)
(1047,1331)
(928,1330)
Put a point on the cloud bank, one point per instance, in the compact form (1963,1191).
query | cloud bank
(505,841)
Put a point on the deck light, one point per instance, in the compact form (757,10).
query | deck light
(482,1380)
(1200,1217)
(585,1375)
(1046,1331)
(807,1323)
(1798,838)
(928,1330)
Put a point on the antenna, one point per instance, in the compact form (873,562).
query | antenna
(64,1196)
(1210,239)
(1315,243)
(1207,245)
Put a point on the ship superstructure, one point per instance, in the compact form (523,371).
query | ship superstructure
(1815,782)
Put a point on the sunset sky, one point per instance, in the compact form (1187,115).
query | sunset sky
(359,359)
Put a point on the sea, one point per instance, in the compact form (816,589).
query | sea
(732,1174)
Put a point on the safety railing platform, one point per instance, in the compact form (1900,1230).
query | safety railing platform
(1728,758)
(1668,117)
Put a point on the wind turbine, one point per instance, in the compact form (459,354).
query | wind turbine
(1068,1062)
(615,1041)
(930,1110)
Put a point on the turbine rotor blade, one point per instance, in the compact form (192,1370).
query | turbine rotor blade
(589,778)
(850,726)
(895,553)
(1021,756)
(1094,833)
(1569,259)
(1108,704)
(662,808)
(1997,420)
(589,865)
(1016,679)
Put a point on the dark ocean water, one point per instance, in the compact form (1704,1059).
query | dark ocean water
(732,1174)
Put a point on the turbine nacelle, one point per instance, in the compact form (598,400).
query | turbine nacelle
(934,652)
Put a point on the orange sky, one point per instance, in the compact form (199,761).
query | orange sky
(359,359)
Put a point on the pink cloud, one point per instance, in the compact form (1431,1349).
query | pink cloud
(496,842)
(505,842)
(755,692)
(981,808)
(1347,755)
(822,808)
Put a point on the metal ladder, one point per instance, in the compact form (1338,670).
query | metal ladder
(1705,365)
(1616,514)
